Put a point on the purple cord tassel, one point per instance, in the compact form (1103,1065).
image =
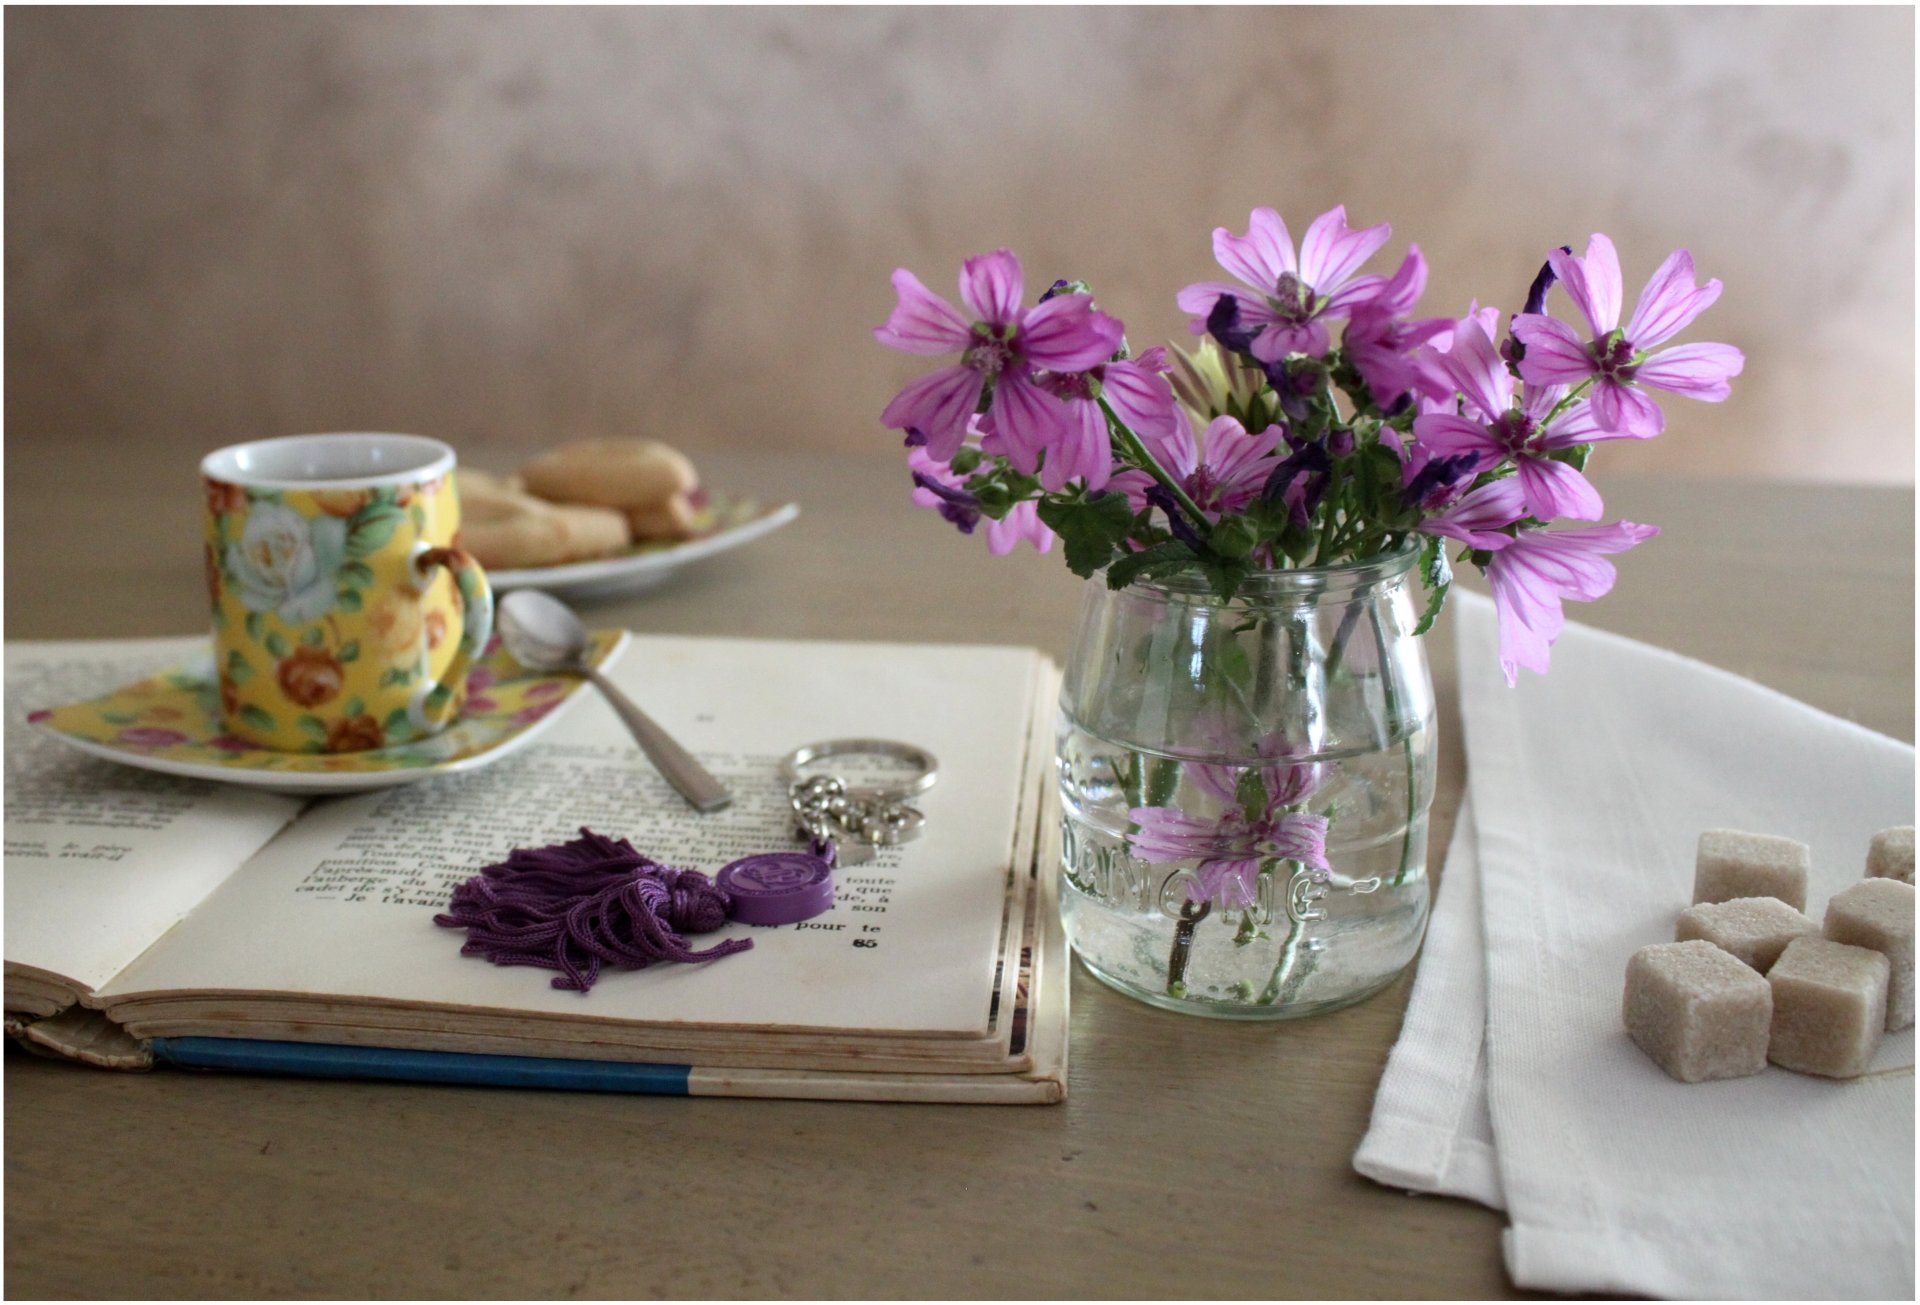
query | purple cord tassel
(574,906)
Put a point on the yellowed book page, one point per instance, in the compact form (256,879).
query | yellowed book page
(342,905)
(101,859)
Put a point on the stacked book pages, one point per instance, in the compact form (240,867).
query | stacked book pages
(156,920)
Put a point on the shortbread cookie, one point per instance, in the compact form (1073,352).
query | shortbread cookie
(593,532)
(674,519)
(624,474)
(479,486)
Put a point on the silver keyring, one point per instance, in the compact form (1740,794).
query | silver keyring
(791,764)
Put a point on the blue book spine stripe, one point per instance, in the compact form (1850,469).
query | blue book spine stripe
(325,1060)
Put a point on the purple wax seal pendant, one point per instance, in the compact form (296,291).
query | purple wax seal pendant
(777,887)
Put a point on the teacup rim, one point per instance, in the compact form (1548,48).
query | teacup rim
(223,463)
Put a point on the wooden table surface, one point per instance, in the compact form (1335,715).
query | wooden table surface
(1192,1158)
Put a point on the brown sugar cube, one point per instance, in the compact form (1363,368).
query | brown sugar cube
(1697,1011)
(1755,929)
(1731,864)
(1878,913)
(1829,1007)
(1890,855)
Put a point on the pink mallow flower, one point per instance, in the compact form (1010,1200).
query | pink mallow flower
(1618,361)
(1531,575)
(1527,433)
(1292,298)
(1000,344)
(1384,343)
(1141,396)
(1222,471)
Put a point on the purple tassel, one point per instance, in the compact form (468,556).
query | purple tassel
(575,905)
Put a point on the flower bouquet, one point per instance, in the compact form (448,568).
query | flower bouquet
(1247,724)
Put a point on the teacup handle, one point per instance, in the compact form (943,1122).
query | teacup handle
(476,626)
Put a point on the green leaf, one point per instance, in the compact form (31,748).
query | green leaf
(438,697)
(1437,576)
(312,726)
(1251,793)
(354,707)
(276,646)
(239,672)
(372,527)
(1149,563)
(348,599)
(395,675)
(256,718)
(119,717)
(256,626)
(1090,528)
(357,574)
(1163,776)
(315,637)
(397,719)
(349,651)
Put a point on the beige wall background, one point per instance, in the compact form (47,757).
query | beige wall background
(508,227)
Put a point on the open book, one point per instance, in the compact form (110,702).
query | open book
(153,919)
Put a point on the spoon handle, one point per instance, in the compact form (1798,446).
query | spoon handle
(689,778)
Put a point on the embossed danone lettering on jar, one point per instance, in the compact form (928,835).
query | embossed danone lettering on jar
(1244,788)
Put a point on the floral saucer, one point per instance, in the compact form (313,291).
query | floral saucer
(170,722)
(722,523)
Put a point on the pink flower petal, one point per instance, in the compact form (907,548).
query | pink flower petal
(1068,334)
(1593,283)
(1361,292)
(1276,342)
(1479,517)
(1699,371)
(1577,425)
(1537,571)
(1082,452)
(1260,257)
(938,405)
(1555,355)
(1027,418)
(1448,435)
(1332,252)
(1141,398)
(1409,281)
(1554,489)
(1476,368)
(1670,302)
(922,322)
(991,285)
(1022,523)
(1622,408)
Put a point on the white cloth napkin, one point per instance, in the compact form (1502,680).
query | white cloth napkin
(1513,1082)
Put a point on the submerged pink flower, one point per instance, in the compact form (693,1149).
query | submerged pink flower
(1534,572)
(1222,471)
(1001,345)
(1528,433)
(1619,360)
(1229,848)
(1292,298)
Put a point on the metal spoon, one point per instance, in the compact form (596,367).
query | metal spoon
(543,634)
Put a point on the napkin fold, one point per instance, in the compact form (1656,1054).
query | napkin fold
(1513,1082)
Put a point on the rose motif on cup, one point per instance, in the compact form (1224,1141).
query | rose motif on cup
(229,694)
(147,736)
(213,575)
(285,564)
(395,623)
(355,734)
(311,676)
(436,628)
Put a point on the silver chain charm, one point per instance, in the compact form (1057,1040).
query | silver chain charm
(844,823)
(825,812)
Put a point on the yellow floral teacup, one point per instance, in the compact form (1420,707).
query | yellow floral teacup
(343,616)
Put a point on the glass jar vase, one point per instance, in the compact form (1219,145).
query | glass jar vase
(1244,788)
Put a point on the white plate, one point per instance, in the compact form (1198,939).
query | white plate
(648,565)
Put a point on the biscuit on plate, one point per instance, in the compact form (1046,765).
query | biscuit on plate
(618,473)
(506,530)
